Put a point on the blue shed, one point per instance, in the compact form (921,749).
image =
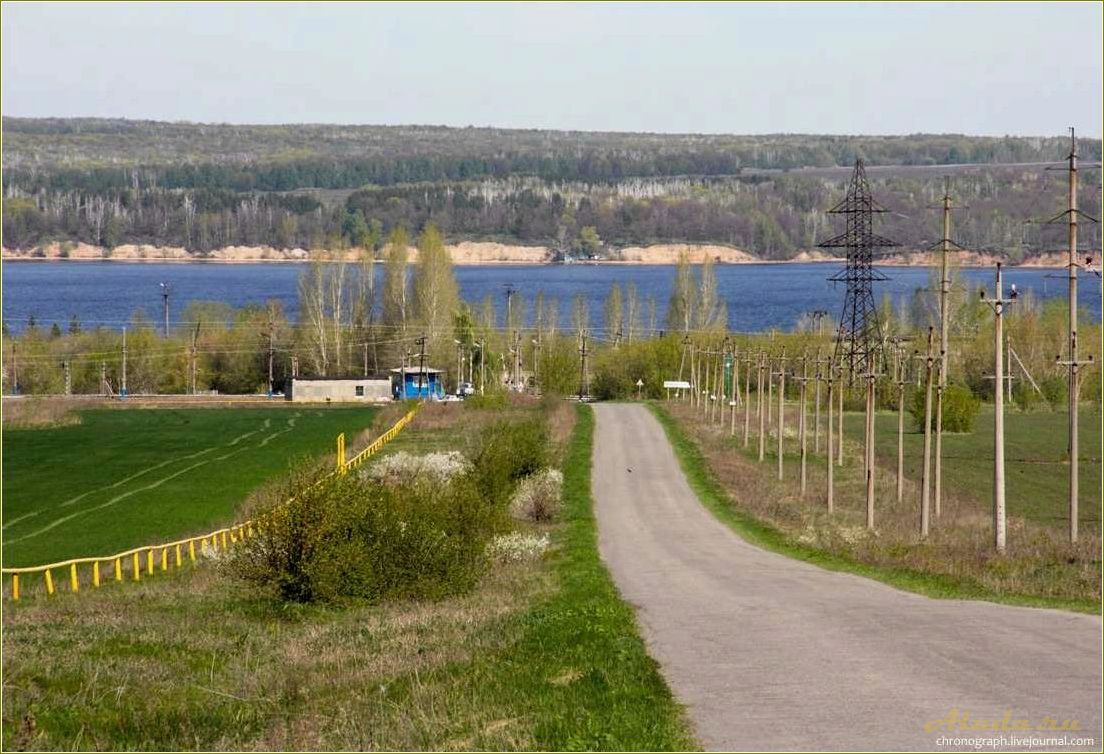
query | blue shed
(422,383)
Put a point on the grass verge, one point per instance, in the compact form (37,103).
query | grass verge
(764,534)
(542,655)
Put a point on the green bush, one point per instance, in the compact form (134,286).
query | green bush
(506,452)
(1025,397)
(960,408)
(492,400)
(1055,390)
(344,537)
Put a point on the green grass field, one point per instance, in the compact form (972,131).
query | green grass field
(1036,468)
(542,655)
(123,478)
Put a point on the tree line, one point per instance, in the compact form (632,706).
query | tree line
(771,215)
(348,327)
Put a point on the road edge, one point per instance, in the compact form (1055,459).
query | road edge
(762,534)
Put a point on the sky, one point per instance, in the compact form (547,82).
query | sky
(988,68)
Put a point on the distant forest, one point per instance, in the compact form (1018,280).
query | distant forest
(202,187)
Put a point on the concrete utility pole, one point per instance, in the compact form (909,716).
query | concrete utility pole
(192,360)
(68,377)
(482,362)
(1073,364)
(999,517)
(839,419)
(816,401)
(899,380)
(925,483)
(123,386)
(871,377)
(693,376)
(781,409)
(15,371)
(735,392)
(831,434)
(165,305)
(945,245)
(103,378)
(584,388)
(747,399)
(801,420)
(770,391)
(364,346)
(763,364)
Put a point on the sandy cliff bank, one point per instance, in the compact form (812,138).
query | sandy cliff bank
(491,253)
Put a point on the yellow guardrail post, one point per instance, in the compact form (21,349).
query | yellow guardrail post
(178,561)
(96,574)
(341,453)
(191,550)
(15,586)
(74,582)
(118,569)
(149,561)
(137,569)
(49,582)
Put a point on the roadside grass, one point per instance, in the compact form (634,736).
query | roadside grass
(1036,461)
(542,655)
(957,561)
(120,478)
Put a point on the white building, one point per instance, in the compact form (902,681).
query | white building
(339,390)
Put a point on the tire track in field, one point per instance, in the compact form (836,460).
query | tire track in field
(132,477)
(118,498)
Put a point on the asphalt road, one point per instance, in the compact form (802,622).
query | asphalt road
(769,653)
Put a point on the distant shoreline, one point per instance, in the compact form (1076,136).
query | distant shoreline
(1047,263)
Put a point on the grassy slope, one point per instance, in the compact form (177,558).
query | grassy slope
(1035,461)
(44,468)
(765,535)
(542,655)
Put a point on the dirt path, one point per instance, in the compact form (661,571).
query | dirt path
(774,654)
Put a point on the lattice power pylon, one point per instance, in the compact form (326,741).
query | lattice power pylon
(860,338)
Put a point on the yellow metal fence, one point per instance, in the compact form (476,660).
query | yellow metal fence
(148,559)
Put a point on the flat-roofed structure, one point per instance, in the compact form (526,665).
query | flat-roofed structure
(339,390)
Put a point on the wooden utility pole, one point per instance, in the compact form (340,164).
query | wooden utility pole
(998,303)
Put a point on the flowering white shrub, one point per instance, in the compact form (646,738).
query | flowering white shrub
(517,547)
(537,497)
(403,467)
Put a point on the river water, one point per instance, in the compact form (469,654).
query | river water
(759,296)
